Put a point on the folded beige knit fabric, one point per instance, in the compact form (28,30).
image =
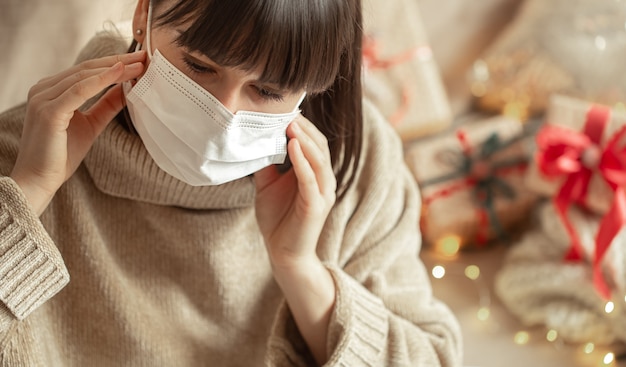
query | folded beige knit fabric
(539,287)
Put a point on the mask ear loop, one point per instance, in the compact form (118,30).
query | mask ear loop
(148,32)
(297,108)
(126,86)
(301,99)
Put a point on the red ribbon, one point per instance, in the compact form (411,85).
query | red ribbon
(478,171)
(577,156)
(372,61)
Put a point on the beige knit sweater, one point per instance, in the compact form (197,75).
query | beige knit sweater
(166,274)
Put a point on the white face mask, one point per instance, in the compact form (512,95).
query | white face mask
(194,137)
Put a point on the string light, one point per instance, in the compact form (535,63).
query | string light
(483,313)
(472,272)
(552,335)
(439,272)
(522,337)
(449,245)
(589,347)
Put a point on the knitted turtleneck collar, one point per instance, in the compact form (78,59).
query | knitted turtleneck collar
(121,166)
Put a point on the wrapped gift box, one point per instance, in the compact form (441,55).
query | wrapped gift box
(571,115)
(401,76)
(580,161)
(472,181)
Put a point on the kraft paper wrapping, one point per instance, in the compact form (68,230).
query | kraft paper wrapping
(400,74)
(451,207)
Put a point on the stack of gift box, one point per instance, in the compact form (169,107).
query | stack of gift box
(538,165)
(482,181)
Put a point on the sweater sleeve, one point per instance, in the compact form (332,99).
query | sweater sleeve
(385,313)
(31,267)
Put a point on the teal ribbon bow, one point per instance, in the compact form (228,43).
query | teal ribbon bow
(481,173)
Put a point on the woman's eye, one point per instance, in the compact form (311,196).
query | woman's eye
(199,69)
(269,95)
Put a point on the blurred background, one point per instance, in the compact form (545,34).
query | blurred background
(40,38)
(473,81)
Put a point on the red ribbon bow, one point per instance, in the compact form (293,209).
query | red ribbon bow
(577,156)
(373,61)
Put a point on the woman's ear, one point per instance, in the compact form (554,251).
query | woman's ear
(140,20)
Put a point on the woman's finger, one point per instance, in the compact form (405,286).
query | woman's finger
(105,109)
(307,182)
(74,97)
(311,130)
(130,72)
(104,62)
(316,156)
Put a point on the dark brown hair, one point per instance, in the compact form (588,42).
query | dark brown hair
(313,45)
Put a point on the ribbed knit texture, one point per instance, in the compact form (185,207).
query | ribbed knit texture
(164,274)
(116,158)
(31,268)
(541,288)
(365,319)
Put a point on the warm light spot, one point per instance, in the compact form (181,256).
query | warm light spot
(589,347)
(478,89)
(610,307)
(608,358)
(521,338)
(439,272)
(600,43)
(552,335)
(472,272)
(621,107)
(483,313)
(516,110)
(449,245)
(480,70)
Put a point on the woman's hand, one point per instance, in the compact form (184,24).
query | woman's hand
(291,210)
(56,136)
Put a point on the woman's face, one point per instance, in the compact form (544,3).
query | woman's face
(235,88)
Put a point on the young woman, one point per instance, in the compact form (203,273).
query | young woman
(197,233)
